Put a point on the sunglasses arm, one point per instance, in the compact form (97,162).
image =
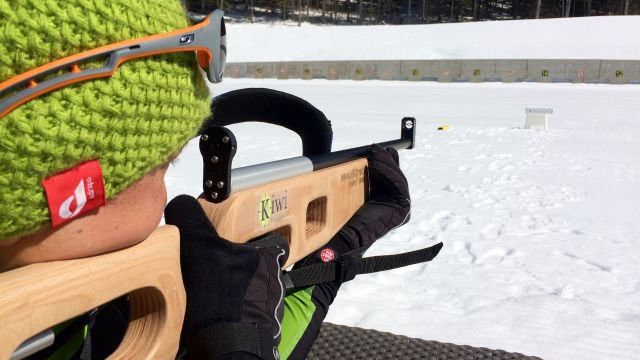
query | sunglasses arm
(197,38)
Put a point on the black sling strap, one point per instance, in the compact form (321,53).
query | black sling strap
(346,267)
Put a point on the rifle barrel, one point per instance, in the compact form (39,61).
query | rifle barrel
(255,175)
(342,156)
(34,344)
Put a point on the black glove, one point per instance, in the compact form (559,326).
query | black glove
(388,207)
(234,291)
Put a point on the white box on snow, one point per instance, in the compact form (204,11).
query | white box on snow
(537,118)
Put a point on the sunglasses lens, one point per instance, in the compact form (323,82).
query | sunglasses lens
(217,45)
(222,57)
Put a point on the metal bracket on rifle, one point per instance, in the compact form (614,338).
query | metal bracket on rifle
(218,147)
(408,131)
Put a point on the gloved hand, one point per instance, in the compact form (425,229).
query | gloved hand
(388,207)
(234,291)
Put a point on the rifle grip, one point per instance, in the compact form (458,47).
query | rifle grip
(307,210)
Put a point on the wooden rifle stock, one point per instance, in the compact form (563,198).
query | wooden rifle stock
(36,297)
(307,208)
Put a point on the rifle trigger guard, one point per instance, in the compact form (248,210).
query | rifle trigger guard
(218,147)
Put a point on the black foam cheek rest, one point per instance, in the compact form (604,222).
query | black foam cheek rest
(277,108)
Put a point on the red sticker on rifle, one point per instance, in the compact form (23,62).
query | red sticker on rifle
(327,255)
(74,192)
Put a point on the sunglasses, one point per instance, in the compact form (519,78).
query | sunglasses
(207,39)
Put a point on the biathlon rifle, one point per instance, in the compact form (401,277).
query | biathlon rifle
(305,199)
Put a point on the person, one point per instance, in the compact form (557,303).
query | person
(82,173)
(126,127)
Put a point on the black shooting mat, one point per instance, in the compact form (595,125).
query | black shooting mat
(350,343)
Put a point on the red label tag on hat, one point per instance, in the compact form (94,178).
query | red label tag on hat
(74,192)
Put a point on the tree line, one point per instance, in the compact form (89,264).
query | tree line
(368,12)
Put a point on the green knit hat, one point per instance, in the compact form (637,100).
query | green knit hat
(131,122)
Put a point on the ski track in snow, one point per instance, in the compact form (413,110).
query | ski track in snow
(540,229)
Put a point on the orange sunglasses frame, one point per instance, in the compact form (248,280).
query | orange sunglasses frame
(28,87)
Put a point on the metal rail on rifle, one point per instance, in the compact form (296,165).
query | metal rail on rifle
(218,146)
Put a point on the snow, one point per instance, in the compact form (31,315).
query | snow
(540,228)
(602,37)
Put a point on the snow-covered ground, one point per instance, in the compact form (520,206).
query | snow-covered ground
(602,37)
(541,230)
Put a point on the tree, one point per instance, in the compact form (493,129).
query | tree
(424,11)
(451,16)
(299,12)
(251,16)
(324,10)
(402,11)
